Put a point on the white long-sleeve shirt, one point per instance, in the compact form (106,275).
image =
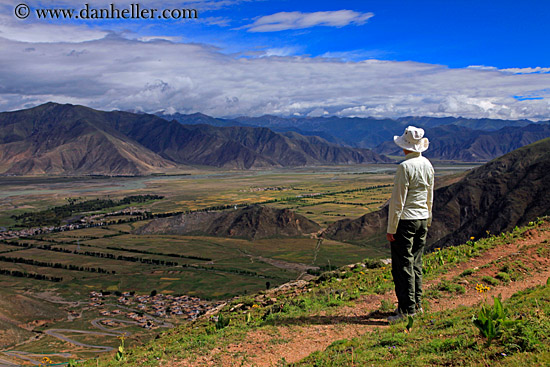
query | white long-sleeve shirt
(412,195)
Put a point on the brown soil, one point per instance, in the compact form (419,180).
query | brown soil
(293,342)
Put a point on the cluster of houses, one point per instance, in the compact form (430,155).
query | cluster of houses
(86,222)
(140,308)
(100,217)
(29,232)
(259,189)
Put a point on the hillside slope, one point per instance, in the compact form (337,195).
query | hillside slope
(253,223)
(496,197)
(340,318)
(19,314)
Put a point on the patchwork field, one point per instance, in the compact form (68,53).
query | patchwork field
(113,260)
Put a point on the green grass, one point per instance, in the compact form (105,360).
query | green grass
(217,279)
(490,280)
(446,287)
(504,277)
(449,339)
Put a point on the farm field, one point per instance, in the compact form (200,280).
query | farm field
(112,259)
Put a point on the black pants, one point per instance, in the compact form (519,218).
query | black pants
(406,256)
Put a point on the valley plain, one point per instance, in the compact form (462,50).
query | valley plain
(112,259)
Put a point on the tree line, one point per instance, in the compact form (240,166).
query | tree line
(23,274)
(159,253)
(230,270)
(104,255)
(142,260)
(54,216)
(44,264)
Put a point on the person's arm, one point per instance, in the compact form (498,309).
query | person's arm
(397,201)
(430,197)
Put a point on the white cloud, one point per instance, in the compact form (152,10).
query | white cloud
(159,38)
(129,74)
(281,51)
(318,112)
(537,70)
(355,55)
(482,67)
(298,20)
(26,31)
(218,21)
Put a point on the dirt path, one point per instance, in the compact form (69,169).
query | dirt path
(293,342)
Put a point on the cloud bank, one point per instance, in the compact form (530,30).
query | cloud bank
(109,70)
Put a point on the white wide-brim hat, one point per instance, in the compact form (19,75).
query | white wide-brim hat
(412,139)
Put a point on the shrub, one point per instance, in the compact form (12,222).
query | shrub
(490,320)
(505,277)
(467,272)
(490,280)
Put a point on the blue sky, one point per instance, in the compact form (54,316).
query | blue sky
(346,58)
(504,34)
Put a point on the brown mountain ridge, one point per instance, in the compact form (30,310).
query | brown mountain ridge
(53,140)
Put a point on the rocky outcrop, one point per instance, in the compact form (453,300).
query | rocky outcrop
(253,223)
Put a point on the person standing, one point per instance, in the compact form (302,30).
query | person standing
(409,216)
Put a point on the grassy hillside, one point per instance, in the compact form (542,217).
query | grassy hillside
(19,314)
(339,319)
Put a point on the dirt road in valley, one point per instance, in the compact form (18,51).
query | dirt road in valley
(61,335)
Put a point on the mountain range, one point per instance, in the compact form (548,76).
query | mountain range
(458,143)
(506,192)
(77,140)
(370,132)
(67,139)
(452,138)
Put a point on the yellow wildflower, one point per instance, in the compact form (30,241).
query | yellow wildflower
(482,288)
(472,238)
